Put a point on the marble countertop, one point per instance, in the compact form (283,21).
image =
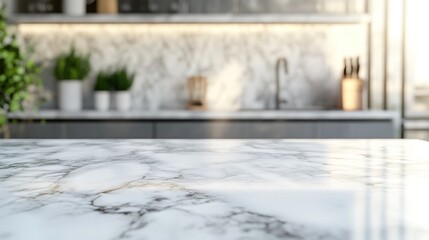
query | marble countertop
(214,189)
(208,115)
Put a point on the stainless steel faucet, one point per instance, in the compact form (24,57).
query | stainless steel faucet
(286,68)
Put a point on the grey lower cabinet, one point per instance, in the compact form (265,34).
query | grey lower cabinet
(83,129)
(355,129)
(39,130)
(200,129)
(234,130)
(275,129)
(112,130)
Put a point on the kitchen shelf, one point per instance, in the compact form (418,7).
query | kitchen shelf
(417,116)
(416,125)
(190,18)
(421,92)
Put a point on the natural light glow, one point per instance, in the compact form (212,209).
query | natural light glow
(418,38)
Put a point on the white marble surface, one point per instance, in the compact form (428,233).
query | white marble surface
(209,115)
(214,189)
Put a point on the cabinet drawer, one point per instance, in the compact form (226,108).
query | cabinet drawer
(234,130)
(109,130)
(274,129)
(354,129)
(37,130)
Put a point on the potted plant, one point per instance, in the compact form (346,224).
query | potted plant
(70,70)
(121,83)
(74,7)
(102,89)
(17,74)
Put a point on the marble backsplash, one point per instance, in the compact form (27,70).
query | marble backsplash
(239,60)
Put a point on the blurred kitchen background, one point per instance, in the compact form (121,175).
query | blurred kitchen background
(275,67)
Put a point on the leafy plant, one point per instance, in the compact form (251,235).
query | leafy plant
(72,66)
(103,82)
(122,80)
(17,73)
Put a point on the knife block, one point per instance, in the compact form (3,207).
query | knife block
(352,94)
(197,90)
(107,6)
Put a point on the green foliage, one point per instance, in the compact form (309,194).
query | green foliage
(122,80)
(103,82)
(17,72)
(3,119)
(72,66)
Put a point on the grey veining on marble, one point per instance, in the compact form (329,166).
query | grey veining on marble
(208,115)
(239,60)
(214,189)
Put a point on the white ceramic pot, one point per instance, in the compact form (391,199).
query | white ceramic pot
(70,95)
(10,6)
(102,100)
(123,100)
(74,7)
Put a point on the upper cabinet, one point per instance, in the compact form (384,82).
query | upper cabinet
(223,11)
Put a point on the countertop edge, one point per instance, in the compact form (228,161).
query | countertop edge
(207,115)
